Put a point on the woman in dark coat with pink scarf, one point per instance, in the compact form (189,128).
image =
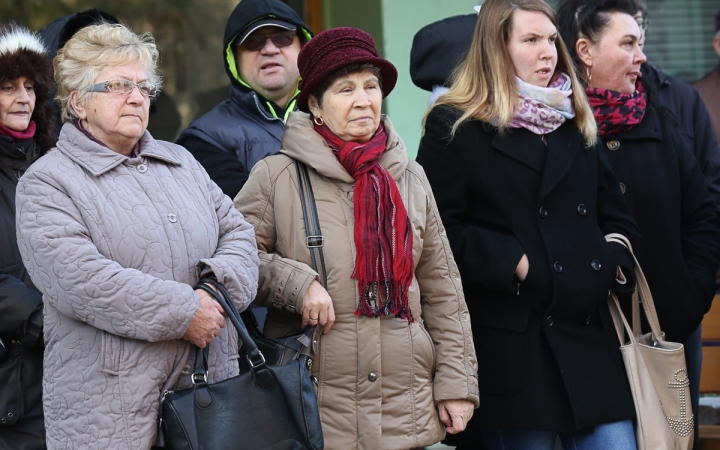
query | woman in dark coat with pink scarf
(527,197)
(660,177)
(25,80)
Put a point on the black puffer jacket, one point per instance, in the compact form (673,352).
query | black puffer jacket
(247,127)
(21,316)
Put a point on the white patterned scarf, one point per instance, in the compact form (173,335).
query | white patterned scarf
(542,110)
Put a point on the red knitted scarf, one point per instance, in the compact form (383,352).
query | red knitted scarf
(383,234)
(615,112)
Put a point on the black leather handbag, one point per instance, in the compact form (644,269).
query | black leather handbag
(267,407)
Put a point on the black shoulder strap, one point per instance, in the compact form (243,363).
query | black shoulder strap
(315,240)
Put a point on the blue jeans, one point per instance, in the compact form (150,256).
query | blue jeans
(616,436)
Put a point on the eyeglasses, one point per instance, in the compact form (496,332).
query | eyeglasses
(125,87)
(258,41)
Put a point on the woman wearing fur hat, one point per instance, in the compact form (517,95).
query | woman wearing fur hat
(25,79)
(395,363)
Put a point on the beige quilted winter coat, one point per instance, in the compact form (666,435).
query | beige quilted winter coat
(115,245)
(379,379)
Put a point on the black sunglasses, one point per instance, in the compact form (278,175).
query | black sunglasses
(257,42)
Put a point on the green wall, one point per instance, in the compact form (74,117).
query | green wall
(393,23)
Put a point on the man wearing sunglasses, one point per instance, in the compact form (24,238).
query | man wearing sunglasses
(261,44)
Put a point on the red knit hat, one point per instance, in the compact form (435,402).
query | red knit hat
(334,49)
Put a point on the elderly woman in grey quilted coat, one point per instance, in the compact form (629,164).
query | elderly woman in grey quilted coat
(115,228)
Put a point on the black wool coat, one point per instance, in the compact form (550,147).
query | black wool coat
(668,195)
(547,351)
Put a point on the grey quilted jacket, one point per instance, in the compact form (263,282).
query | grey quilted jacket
(115,244)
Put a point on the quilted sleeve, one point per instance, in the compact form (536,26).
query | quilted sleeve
(81,283)
(235,262)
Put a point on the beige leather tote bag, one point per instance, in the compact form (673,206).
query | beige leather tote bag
(656,371)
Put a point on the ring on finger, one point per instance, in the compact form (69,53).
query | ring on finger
(313,318)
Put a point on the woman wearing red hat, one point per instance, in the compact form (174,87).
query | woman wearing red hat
(395,363)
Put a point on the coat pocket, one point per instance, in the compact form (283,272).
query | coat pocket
(12,400)
(425,349)
(110,353)
(500,336)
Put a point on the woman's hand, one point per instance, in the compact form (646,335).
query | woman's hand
(455,414)
(318,307)
(207,323)
(522,268)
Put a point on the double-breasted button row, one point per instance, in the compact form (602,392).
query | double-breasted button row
(581,209)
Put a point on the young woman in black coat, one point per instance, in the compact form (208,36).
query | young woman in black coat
(527,197)
(662,181)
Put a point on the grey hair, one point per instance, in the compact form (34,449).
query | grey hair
(92,49)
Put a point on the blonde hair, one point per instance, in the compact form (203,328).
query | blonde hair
(484,85)
(92,49)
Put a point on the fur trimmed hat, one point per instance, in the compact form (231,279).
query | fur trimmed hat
(23,54)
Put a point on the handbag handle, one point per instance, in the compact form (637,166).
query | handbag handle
(642,295)
(314,239)
(264,378)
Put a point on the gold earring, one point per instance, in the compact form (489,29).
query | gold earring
(588,75)
(318,121)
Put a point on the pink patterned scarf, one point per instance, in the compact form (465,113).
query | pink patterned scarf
(542,110)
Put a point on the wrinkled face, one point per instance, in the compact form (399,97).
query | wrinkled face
(117,119)
(614,61)
(17,102)
(271,71)
(351,106)
(531,45)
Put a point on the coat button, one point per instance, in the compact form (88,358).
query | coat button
(557,266)
(613,145)
(543,212)
(622,187)
(587,321)
(172,218)
(142,168)
(581,209)
(549,321)
(372,377)
(596,264)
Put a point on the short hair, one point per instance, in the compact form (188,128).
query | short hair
(92,49)
(484,86)
(319,90)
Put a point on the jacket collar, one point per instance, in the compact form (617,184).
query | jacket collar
(18,155)
(655,76)
(98,159)
(303,143)
(250,100)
